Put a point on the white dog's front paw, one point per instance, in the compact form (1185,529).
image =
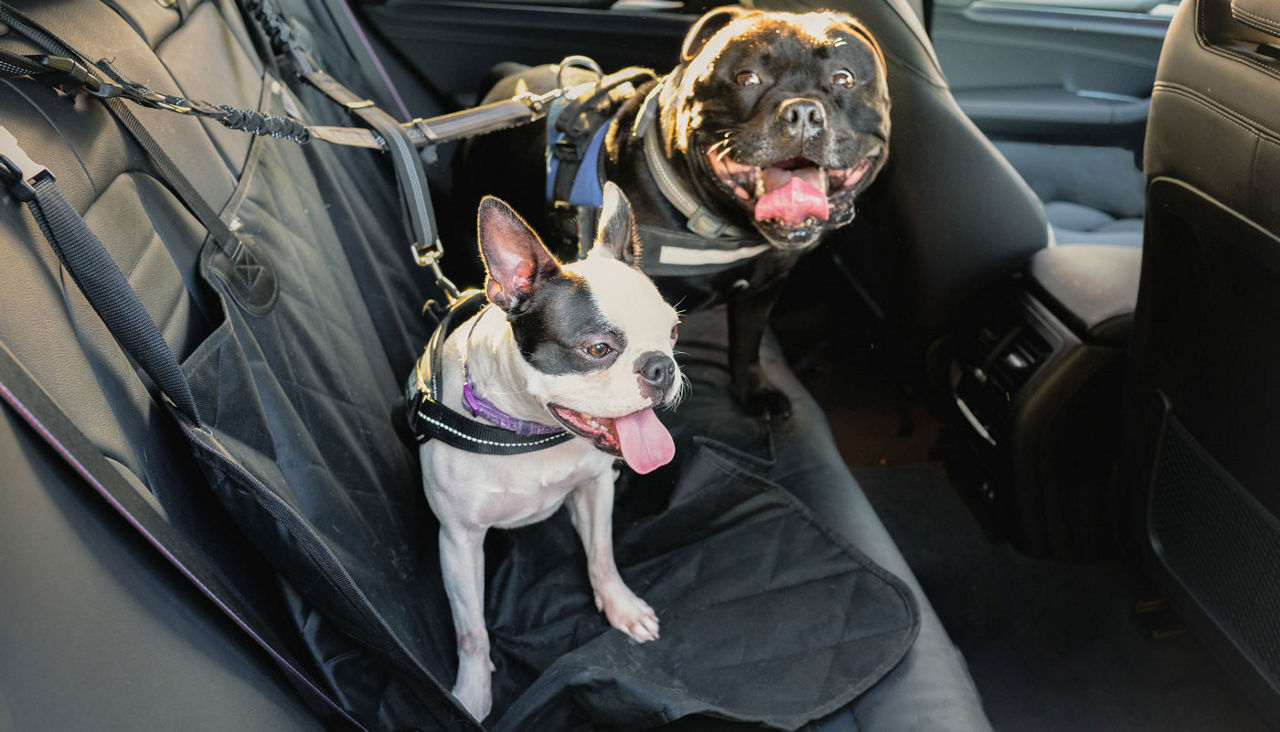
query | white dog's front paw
(473,688)
(628,613)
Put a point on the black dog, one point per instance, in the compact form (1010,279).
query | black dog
(740,160)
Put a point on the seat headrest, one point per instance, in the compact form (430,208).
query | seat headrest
(1263,15)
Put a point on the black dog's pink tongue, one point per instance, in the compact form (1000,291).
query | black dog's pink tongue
(646,444)
(792,196)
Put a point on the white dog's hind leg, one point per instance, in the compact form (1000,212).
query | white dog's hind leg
(462,562)
(591,507)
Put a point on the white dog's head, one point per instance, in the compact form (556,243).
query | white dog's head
(595,335)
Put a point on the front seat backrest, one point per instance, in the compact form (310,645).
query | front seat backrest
(964,218)
(1207,334)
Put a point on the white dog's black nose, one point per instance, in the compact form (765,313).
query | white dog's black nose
(802,117)
(657,369)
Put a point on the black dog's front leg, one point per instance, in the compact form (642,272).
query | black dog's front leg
(748,318)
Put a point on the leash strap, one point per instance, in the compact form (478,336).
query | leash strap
(431,420)
(698,218)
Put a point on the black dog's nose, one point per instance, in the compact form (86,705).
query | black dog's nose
(802,117)
(657,369)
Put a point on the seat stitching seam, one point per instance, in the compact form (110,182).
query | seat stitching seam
(1204,44)
(1261,22)
(1244,121)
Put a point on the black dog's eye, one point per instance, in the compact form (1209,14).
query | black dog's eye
(597,350)
(748,78)
(842,78)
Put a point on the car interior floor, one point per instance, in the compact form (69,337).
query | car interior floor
(1051,645)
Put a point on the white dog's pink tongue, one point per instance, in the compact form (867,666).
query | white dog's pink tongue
(792,202)
(646,444)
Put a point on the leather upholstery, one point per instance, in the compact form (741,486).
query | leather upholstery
(1093,289)
(1214,119)
(1261,14)
(1205,341)
(1075,223)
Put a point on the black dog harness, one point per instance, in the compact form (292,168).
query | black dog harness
(430,419)
(575,133)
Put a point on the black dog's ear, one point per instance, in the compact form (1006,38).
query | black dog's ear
(616,234)
(514,257)
(708,25)
(853,26)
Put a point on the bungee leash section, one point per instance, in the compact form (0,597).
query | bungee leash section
(71,72)
(74,76)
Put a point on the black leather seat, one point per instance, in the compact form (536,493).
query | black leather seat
(1205,343)
(102,628)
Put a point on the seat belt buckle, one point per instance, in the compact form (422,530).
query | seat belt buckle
(567,151)
(17,170)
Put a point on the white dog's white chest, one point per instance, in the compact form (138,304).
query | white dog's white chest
(506,491)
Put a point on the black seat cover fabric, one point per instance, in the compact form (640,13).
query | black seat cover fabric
(301,447)
(767,615)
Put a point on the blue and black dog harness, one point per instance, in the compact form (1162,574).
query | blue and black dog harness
(576,129)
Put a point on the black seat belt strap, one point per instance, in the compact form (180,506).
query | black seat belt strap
(20,390)
(95,272)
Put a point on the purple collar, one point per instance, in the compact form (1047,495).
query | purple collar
(485,409)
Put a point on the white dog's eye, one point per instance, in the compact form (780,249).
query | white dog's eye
(674,330)
(597,350)
(842,78)
(748,78)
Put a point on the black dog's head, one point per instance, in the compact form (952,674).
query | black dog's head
(783,116)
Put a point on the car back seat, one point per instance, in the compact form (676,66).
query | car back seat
(98,630)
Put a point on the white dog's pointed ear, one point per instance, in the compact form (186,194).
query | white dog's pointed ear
(706,26)
(616,233)
(514,258)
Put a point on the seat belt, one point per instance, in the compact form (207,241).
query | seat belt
(106,289)
(95,273)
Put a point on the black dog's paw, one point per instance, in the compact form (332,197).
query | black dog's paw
(767,403)
(761,399)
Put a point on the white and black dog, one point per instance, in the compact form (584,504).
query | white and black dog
(585,346)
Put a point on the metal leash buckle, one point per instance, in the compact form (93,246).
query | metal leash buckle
(430,256)
(165,101)
(578,62)
(18,172)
